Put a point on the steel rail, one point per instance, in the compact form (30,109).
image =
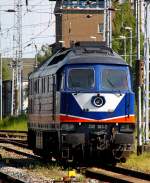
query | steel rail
(133,173)
(13,131)
(20,152)
(10,134)
(19,143)
(114,174)
(7,179)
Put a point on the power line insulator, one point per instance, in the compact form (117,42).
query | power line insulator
(26,2)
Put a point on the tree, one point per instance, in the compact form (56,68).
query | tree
(124,17)
(44,53)
(6,75)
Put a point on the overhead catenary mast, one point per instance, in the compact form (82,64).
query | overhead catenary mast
(146,92)
(108,22)
(139,93)
(17,60)
(1,78)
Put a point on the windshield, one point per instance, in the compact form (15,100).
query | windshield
(81,78)
(113,79)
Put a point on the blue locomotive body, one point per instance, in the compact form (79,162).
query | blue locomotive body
(82,106)
(107,98)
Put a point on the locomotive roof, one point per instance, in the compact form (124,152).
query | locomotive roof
(78,55)
(96,58)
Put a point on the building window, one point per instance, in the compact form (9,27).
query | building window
(48,84)
(100,28)
(83,4)
(43,85)
(30,87)
(36,86)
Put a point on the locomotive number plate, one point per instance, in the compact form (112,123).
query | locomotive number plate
(102,126)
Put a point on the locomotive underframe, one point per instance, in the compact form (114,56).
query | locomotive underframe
(84,143)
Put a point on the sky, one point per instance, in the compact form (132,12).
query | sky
(38,26)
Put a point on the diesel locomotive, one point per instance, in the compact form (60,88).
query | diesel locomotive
(81,105)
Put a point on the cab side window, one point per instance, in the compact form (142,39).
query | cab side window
(60,81)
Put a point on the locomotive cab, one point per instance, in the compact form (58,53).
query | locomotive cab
(92,95)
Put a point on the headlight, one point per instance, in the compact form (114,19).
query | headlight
(126,128)
(98,101)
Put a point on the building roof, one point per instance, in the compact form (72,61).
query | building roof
(80,5)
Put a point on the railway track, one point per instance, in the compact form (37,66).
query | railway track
(4,178)
(11,166)
(109,174)
(20,152)
(20,143)
(29,162)
(117,175)
(13,134)
(18,138)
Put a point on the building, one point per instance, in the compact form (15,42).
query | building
(28,67)
(79,20)
(7,97)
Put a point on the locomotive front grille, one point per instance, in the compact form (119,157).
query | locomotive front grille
(74,139)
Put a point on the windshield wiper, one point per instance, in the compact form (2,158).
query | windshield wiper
(113,86)
(110,83)
(76,91)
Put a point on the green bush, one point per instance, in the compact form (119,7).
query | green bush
(14,123)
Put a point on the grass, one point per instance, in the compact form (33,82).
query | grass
(53,171)
(14,123)
(140,163)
